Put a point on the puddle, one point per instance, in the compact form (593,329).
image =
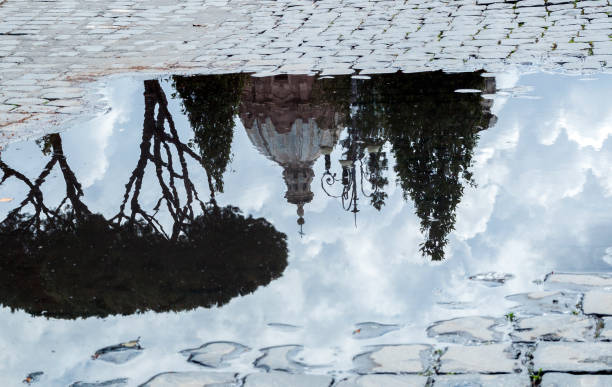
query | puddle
(280,213)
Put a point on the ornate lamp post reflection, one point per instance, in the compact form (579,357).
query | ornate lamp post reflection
(354,171)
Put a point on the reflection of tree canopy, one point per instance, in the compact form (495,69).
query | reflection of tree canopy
(65,261)
(433,131)
(211,103)
(70,270)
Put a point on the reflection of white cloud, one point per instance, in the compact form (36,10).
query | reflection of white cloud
(95,143)
(92,139)
(607,258)
(474,211)
(254,198)
(585,127)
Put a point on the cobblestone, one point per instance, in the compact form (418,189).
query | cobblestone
(573,357)
(79,41)
(376,380)
(553,327)
(410,358)
(596,302)
(475,329)
(482,380)
(554,379)
(485,359)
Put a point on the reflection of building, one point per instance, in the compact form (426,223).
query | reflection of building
(290,126)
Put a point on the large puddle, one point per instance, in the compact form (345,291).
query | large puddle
(294,210)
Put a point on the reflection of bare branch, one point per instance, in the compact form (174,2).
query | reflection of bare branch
(157,146)
(160,146)
(35,196)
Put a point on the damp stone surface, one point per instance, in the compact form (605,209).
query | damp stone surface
(573,357)
(485,359)
(50,52)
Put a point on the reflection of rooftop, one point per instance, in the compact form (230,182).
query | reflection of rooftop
(286,124)
(283,100)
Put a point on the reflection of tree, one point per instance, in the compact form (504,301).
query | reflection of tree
(91,270)
(65,261)
(377,165)
(156,148)
(432,131)
(211,103)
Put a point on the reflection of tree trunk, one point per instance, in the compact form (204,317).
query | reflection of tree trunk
(74,191)
(161,147)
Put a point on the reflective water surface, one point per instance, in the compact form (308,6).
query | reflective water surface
(327,214)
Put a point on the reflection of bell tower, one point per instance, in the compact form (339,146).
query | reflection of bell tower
(298,179)
(291,127)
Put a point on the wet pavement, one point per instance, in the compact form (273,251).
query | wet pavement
(395,229)
(51,50)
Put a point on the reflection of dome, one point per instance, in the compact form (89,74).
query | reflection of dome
(289,126)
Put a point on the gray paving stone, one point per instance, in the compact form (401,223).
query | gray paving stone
(511,380)
(573,357)
(485,359)
(597,302)
(464,330)
(87,40)
(599,280)
(190,379)
(280,358)
(282,379)
(554,379)
(377,380)
(554,327)
(536,303)
(409,358)
(215,354)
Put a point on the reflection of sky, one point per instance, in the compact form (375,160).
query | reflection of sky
(542,202)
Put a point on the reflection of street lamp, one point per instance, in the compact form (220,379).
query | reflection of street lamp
(354,155)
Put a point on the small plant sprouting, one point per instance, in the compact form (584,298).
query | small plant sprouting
(575,312)
(536,378)
(510,316)
(572,40)
(521,24)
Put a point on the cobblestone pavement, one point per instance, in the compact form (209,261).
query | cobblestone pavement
(50,49)
(558,336)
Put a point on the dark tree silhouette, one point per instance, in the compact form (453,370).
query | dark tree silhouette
(433,132)
(377,164)
(66,262)
(211,102)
